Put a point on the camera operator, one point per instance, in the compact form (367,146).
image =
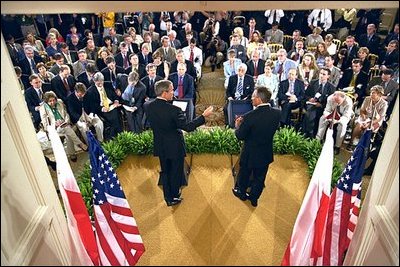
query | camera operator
(210,30)
(215,51)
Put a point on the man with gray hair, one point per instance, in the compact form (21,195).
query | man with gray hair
(101,99)
(134,93)
(167,122)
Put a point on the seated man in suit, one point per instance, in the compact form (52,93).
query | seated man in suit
(240,87)
(390,58)
(79,66)
(341,106)
(87,77)
(356,80)
(316,95)
(53,112)
(183,83)
(78,115)
(290,96)
(33,98)
(64,83)
(135,94)
(150,80)
(100,99)
(111,71)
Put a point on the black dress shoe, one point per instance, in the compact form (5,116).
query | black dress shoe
(337,150)
(174,201)
(254,203)
(239,195)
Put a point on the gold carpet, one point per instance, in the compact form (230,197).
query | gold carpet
(211,226)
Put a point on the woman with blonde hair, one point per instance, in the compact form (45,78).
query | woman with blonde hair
(242,39)
(307,69)
(58,35)
(36,44)
(363,53)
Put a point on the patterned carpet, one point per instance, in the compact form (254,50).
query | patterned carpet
(211,91)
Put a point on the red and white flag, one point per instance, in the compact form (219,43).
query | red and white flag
(79,225)
(306,242)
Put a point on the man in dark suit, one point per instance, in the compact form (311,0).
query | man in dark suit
(28,63)
(390,58)
(355,78)
(316,95)
(150,80)
(33,98)
(371,40)
(100,99)
(256,128)
(255,66)
(167,122)
(290,96)
(134,93)
(111,71)
(63,84)
(183,83)
(87,77)
(240,87)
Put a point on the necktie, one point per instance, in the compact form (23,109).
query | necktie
(66,85)
(321,89)
(180,87)
(291,87)
(165,53)
(104,98)
(40,94)
(126,64)
(146,61)
(353,80)
(251,33)
(33,66)
(191,58)
(255,69)
(69,58)
(280,71)
(274,16)
(240,86)
(151,83)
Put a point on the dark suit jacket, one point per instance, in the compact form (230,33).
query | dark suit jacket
(119,60)
(150,89)
(362,78)
(141,71)
(250,67)
(32,100)
(257,130)
(391,60)
(284,87)
(373,44)
(83,78)
(167,122)
(142,59)
(58,87)
(91,100)
(248,86)
(139,94)
(190,69)
(107,75)
(26,66)
(188,84)
(74,107)
(313,88)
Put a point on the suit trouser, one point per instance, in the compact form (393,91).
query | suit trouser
(172,176)
(257,185)
(341,131)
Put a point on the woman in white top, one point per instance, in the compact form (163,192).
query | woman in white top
(269,80)
(242,40)
(331,47)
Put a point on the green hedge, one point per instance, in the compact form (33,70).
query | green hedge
(214,141)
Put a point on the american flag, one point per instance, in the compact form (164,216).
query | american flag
(117,234)
(344,205)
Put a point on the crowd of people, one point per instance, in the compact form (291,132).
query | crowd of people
(97,71)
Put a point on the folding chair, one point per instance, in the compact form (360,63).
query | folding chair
(275,47)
